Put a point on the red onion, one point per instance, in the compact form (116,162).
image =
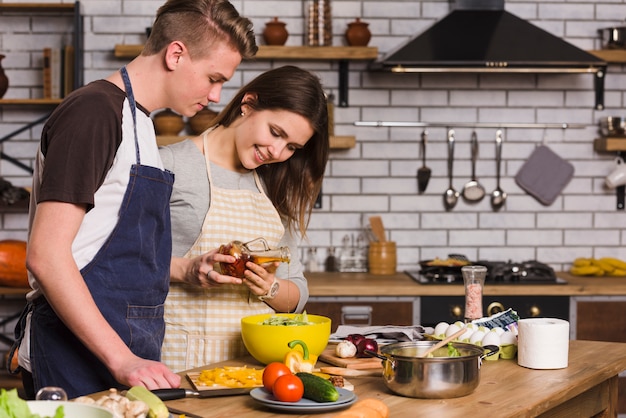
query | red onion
(355,338)
(366,344)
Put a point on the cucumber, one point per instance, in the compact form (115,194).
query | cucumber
(156,405)
(317,388)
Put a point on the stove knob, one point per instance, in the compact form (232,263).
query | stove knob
(494,308)
(534,311)
(457,312)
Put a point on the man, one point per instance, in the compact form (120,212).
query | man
(99,244)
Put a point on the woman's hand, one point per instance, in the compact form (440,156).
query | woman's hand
(259,278)
(199,271)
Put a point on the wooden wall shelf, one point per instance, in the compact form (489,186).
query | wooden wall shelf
(336,142)
(612,56)
(33,102)
(285,52)
(609,144)
(35,7)
(343,54)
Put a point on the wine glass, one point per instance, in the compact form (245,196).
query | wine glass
(51,393)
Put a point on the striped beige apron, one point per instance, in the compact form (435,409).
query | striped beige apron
(203,326)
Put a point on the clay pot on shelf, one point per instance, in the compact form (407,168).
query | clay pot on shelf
(4,81)
(168,122)
(275,32)
(201,121)
(358,33)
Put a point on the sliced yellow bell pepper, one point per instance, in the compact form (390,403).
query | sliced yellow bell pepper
(299,361)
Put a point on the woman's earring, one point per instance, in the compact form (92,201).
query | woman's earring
(243,114)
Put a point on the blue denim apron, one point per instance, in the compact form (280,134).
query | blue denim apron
(128,279)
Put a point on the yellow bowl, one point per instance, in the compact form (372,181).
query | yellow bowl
(269,343)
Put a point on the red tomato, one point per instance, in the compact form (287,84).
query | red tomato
(288,388)
(272,372)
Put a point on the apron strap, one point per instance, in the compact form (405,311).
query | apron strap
(20,328)
(133,108)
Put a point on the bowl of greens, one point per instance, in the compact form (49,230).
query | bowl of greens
(267,336)
(11,405)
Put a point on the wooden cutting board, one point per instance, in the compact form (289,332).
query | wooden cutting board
(328,356)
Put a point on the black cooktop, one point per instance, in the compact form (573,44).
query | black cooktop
(498,272)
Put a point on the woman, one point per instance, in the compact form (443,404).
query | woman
(255,173)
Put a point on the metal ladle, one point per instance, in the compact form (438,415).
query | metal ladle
(498,196)
(451,196)
(473,190)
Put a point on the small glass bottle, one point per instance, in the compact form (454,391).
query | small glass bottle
(311,265)
(257,251)
(474,281)
(331,261)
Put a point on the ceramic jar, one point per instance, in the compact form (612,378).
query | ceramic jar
(275,32)
(358,33)
(201,121)
(168,122)
(382,258)
(4,81)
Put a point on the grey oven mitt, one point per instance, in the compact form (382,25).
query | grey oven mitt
(544,175)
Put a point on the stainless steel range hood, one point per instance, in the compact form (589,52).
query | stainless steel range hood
(479,36)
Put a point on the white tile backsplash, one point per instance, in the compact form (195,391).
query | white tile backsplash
(378,176)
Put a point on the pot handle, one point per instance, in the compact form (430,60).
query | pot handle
(493,349)
(374,354)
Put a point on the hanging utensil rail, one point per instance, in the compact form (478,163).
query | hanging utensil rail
(471,125)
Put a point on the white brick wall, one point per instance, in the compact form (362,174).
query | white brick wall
(378,176)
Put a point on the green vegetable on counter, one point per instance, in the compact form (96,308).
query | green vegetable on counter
(12,406)
(317,388)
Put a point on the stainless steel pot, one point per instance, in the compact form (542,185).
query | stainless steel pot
(612,126)
(406,373)
(613,38)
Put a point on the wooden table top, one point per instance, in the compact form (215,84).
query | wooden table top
(506,390)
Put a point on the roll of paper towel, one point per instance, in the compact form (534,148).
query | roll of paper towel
(543,343)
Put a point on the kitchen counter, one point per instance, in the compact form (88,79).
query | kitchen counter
(588,386)
(400,284)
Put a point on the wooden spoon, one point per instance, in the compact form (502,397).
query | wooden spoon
(443,342)
(376,222)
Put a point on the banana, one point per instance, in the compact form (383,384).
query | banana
(156,405)
(615,262)
(586,271)
(618,273)
(608,268)
(581,262)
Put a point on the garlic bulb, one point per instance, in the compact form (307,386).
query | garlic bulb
(345,349)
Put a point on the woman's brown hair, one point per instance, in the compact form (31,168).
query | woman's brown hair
(198,24)
(292,185)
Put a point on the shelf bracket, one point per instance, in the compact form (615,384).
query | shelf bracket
(598,82)
(29,125)
(620,191)
(343,83)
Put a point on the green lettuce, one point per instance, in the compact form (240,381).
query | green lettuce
(12,406)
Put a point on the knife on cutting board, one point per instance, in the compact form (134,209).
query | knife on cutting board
(179,393)
(175,412)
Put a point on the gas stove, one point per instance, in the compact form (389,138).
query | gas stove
(498,272)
